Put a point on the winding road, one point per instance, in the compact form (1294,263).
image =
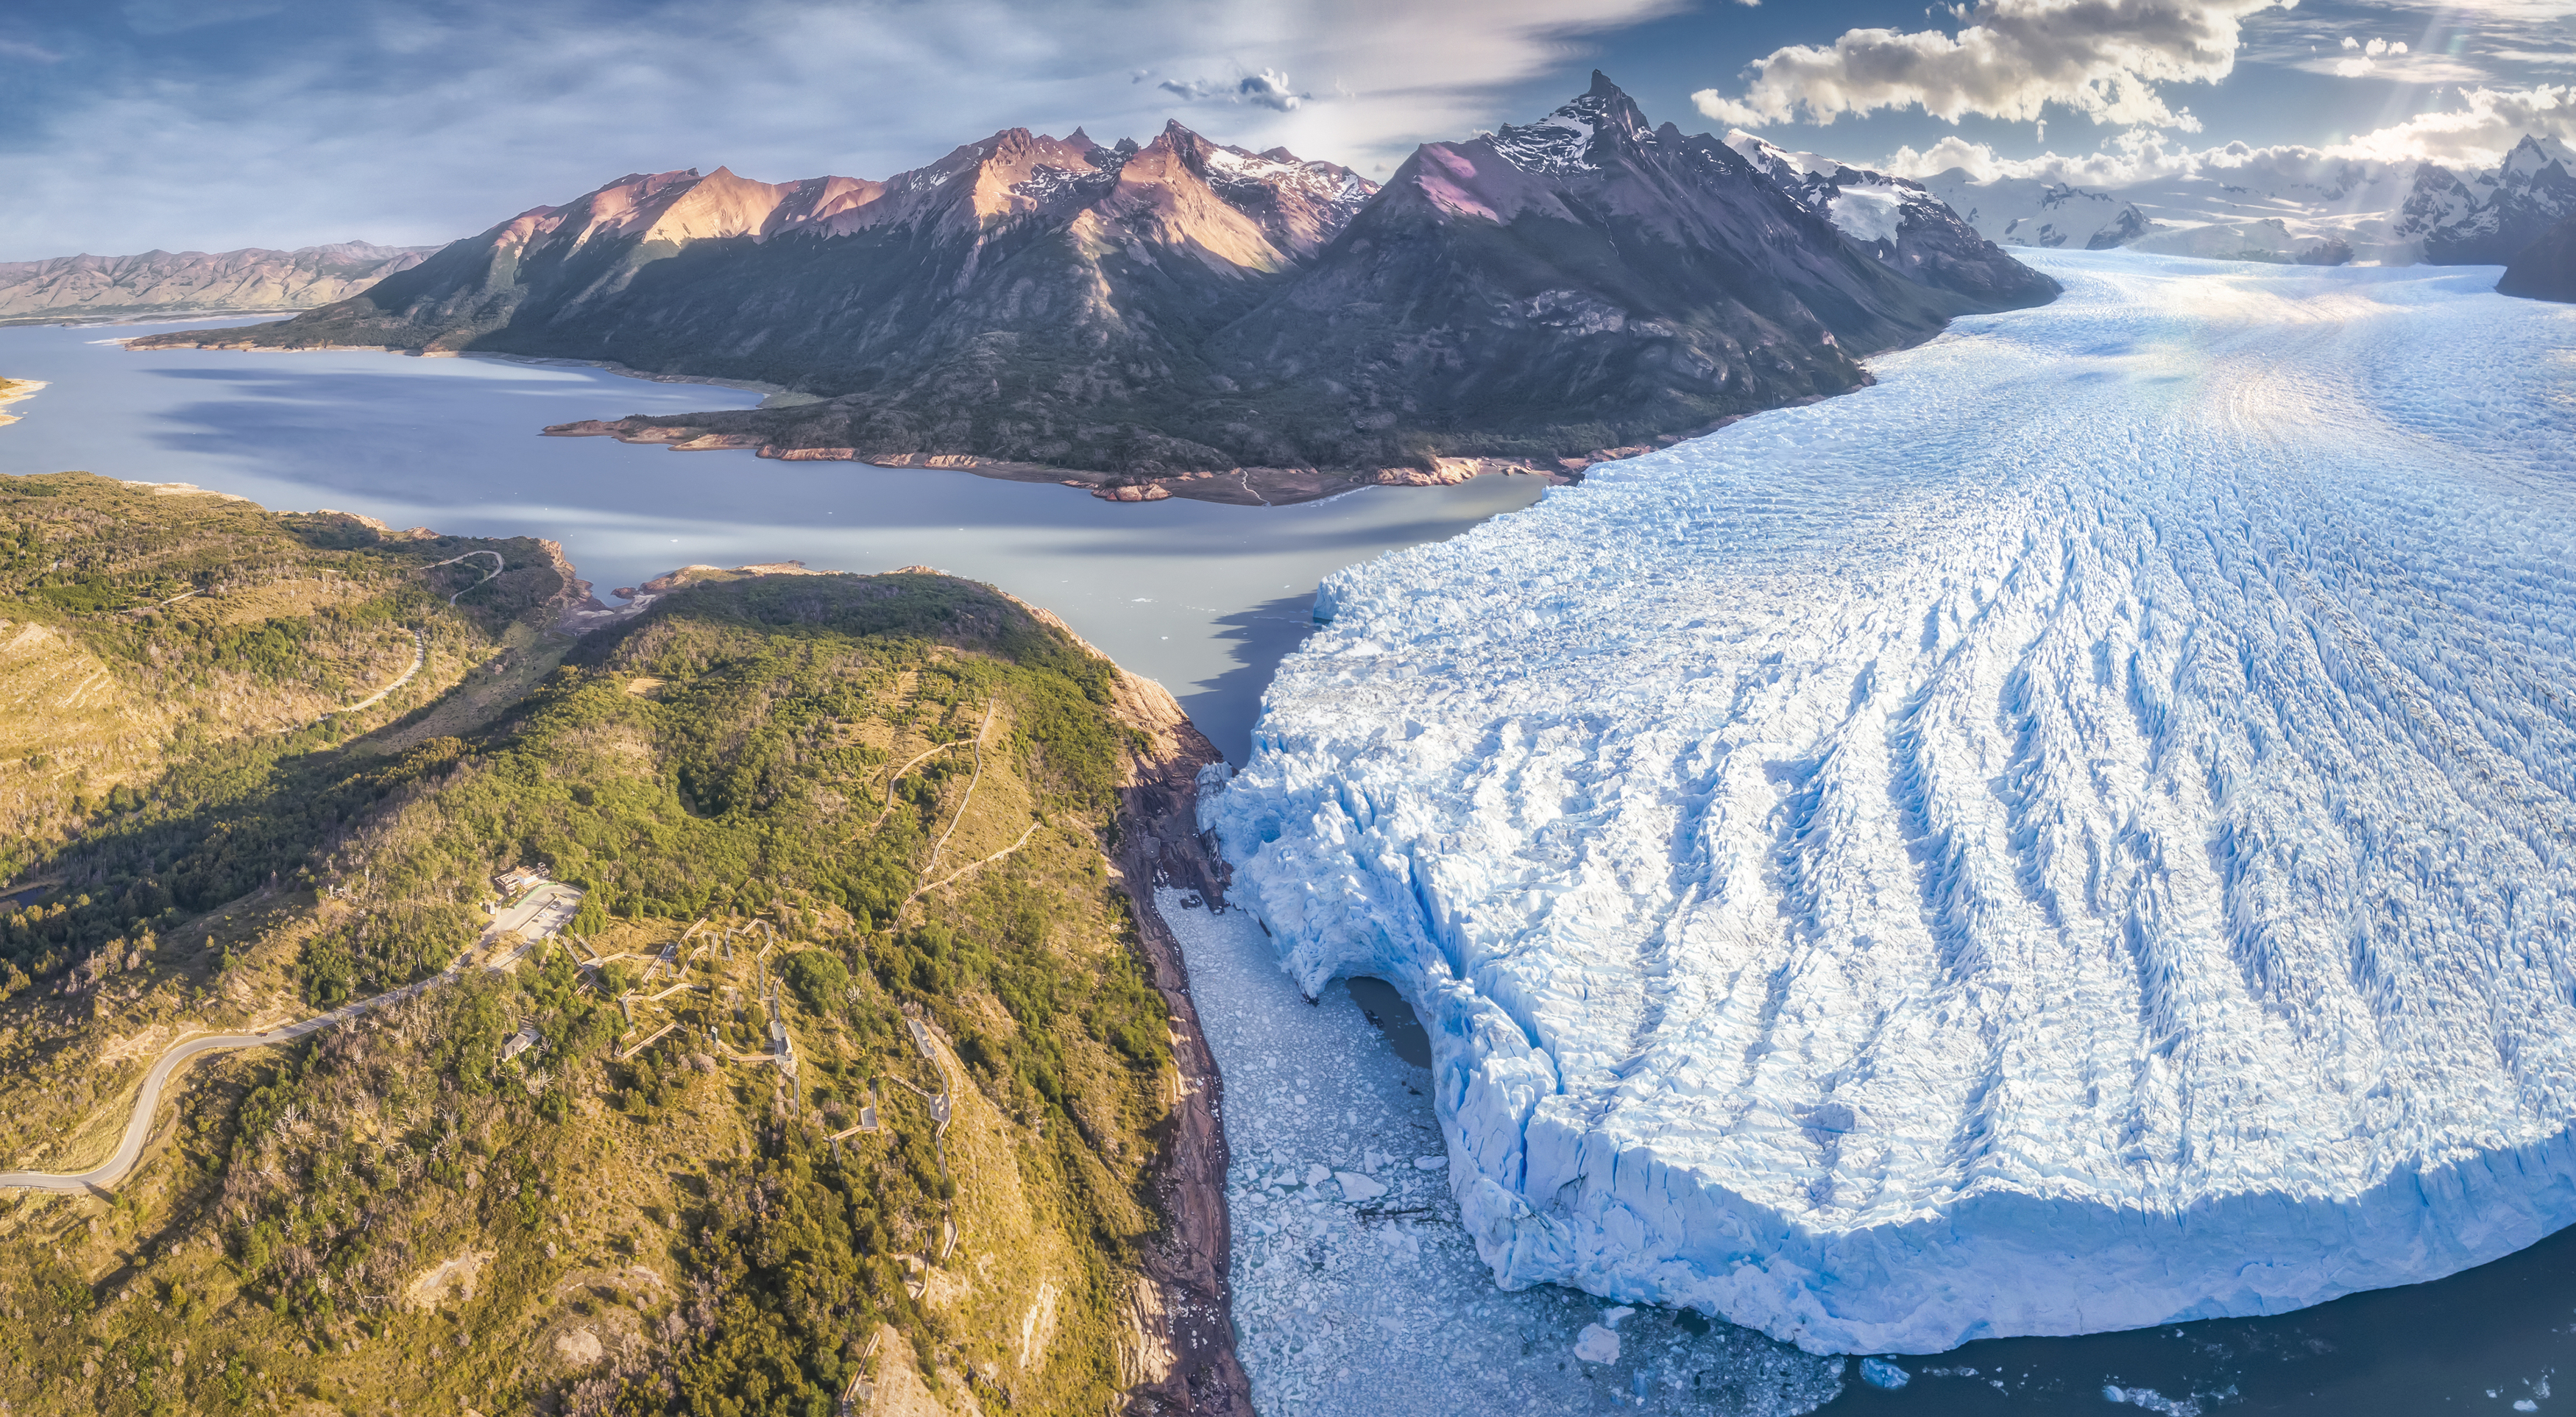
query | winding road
(138,1128)
(498,566)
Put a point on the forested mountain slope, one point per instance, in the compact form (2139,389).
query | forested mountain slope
(849,1074)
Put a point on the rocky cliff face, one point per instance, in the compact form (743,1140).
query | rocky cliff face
(250,279)
(1905,227)
(2545,269)
(1582,282)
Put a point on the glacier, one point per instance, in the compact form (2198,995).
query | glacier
(2075,836)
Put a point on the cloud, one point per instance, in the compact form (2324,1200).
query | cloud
(157,17)
(1270,90)
(20,49)
(2365,57)
(1267,89)
(2010,59)
(2475,134)
(330,121)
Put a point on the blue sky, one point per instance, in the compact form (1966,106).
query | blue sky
(210,124)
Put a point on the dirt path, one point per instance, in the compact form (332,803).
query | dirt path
(498,566)
(419,657)
(974,865)
(897,776)
(986,727)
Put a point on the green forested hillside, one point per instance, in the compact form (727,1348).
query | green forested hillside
(574,1175)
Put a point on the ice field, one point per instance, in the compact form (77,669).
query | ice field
(2076,836)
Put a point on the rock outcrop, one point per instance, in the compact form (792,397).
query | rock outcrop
(2545,269)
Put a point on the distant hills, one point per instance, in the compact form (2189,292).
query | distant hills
(82,287)
(1586,281)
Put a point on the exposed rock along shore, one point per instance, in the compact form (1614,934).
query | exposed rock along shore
(12,390)
(1271,486)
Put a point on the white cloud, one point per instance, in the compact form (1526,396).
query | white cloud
(1270,90)
(2476,134)
(2010,58)
(1266,89)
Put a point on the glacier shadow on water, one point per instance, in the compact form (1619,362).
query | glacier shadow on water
(2505,1328)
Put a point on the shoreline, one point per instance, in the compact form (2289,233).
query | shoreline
(1238,486)
(1191,1260)
(772,395)
(15,390)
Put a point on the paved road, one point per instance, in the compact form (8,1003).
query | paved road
(546,910)
(138,1129)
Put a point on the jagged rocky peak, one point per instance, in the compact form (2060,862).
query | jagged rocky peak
(1298,204)
(2487,218)
(1162,197)
(1564,141)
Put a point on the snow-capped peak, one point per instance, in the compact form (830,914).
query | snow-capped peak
(2532,154)
(1563,140)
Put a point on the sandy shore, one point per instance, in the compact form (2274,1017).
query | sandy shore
(12,390)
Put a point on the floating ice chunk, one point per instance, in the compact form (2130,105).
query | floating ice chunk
(1878,1372)
(1612,1318)
(2103,791)
(2153,1401)
(1372,1159)
(1317,1174)
(2524,1404)
(1596,1345)
(1356,1187)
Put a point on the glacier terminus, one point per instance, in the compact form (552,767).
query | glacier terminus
(2075,836)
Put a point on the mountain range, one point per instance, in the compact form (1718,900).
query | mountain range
(249,279)
(2489,218)
(2278,207)
(1587,281)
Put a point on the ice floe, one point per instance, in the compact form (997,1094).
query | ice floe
(1381,1305)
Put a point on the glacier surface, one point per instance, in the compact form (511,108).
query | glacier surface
(2073,837)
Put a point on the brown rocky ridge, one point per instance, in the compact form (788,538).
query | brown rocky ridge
(1122,316)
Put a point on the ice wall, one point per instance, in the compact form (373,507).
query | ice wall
(2073,837)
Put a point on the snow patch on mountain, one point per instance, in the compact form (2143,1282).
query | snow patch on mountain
(2078,835)
(1868,211)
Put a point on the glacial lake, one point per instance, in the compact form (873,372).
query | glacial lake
(1205,599)
(1200,597)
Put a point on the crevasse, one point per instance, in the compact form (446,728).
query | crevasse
(2073,837)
